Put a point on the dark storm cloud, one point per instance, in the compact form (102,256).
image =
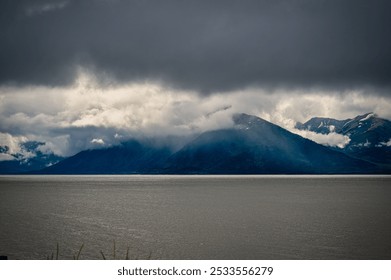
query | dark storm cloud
(202,45)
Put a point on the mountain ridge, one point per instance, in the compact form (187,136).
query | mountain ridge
(369,135)
(252,146)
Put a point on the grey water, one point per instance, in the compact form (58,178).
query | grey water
(196,217)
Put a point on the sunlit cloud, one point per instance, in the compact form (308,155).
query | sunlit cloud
(89,114)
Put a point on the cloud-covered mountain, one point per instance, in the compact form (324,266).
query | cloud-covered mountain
(369,135)
(251,146)
(29,157)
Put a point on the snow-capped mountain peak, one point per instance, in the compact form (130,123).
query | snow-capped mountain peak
(368,134)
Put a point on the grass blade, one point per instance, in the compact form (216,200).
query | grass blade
(81,248)
(113,249)
(103,256)
(127,253)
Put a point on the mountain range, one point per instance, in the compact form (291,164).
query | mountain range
(251,146)
(370,136)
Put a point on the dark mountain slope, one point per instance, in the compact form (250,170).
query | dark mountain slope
(255,146)
(131,157)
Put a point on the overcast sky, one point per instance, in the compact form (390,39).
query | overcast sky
(88,73)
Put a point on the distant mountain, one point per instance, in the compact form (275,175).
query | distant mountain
(322,125)
(370,136)
(30,158)
(251,146)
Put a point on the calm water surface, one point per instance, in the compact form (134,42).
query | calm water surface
(196,217)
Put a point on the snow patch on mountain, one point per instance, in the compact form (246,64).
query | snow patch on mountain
(98,141)
(382,144)
(366,144)
(368,116)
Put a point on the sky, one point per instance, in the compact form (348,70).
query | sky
(80,74)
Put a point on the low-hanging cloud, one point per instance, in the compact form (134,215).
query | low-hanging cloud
(331,139)
(87,116)
(11,147)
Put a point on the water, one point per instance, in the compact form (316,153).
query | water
(196,217)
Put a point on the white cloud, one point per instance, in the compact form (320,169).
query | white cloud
(66,119)
(12,142)
(13,146)
(56,145)
(4,157)
(332,139)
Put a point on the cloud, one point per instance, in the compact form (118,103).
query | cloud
(332,139)
(85,115)
(12,143)
(11,147)
(199,46)
(6,157)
